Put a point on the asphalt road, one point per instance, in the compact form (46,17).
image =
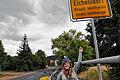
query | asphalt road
(37,75)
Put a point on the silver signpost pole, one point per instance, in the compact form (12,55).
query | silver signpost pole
(96,48)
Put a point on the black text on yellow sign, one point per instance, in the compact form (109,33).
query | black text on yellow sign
(81,9)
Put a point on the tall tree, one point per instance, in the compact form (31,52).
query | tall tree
(108,35)
(3,57)
(11,62)
(68,44)
(24,56)
(42,58)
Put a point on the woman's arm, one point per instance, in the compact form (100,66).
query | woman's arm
(78,63)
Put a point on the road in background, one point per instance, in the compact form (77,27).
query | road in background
(37,75)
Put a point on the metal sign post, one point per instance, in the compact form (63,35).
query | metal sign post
(96,48)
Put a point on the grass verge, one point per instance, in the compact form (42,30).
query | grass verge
(92,74)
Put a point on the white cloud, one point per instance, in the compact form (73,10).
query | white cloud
(10,28)
(53,12)
(40,35)
(15,8)
(11,46)
(44,19)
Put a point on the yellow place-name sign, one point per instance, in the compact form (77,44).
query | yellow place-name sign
(81,9)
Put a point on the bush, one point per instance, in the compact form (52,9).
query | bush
(92,74)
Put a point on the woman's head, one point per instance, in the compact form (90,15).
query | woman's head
(66,63)
(67,67)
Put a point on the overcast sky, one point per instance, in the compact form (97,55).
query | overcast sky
(41,20)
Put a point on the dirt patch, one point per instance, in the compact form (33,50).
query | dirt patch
(9,75)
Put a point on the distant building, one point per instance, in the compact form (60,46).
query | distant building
(52,60)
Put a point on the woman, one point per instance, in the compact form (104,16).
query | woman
(69,73)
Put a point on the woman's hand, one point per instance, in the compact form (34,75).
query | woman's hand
(81,49)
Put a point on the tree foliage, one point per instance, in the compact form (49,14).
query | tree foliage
(24,59)
(108,35)
(42,57)
(68,44)
(3,57)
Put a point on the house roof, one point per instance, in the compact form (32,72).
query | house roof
(53,57)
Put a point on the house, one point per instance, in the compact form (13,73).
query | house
(52,60)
